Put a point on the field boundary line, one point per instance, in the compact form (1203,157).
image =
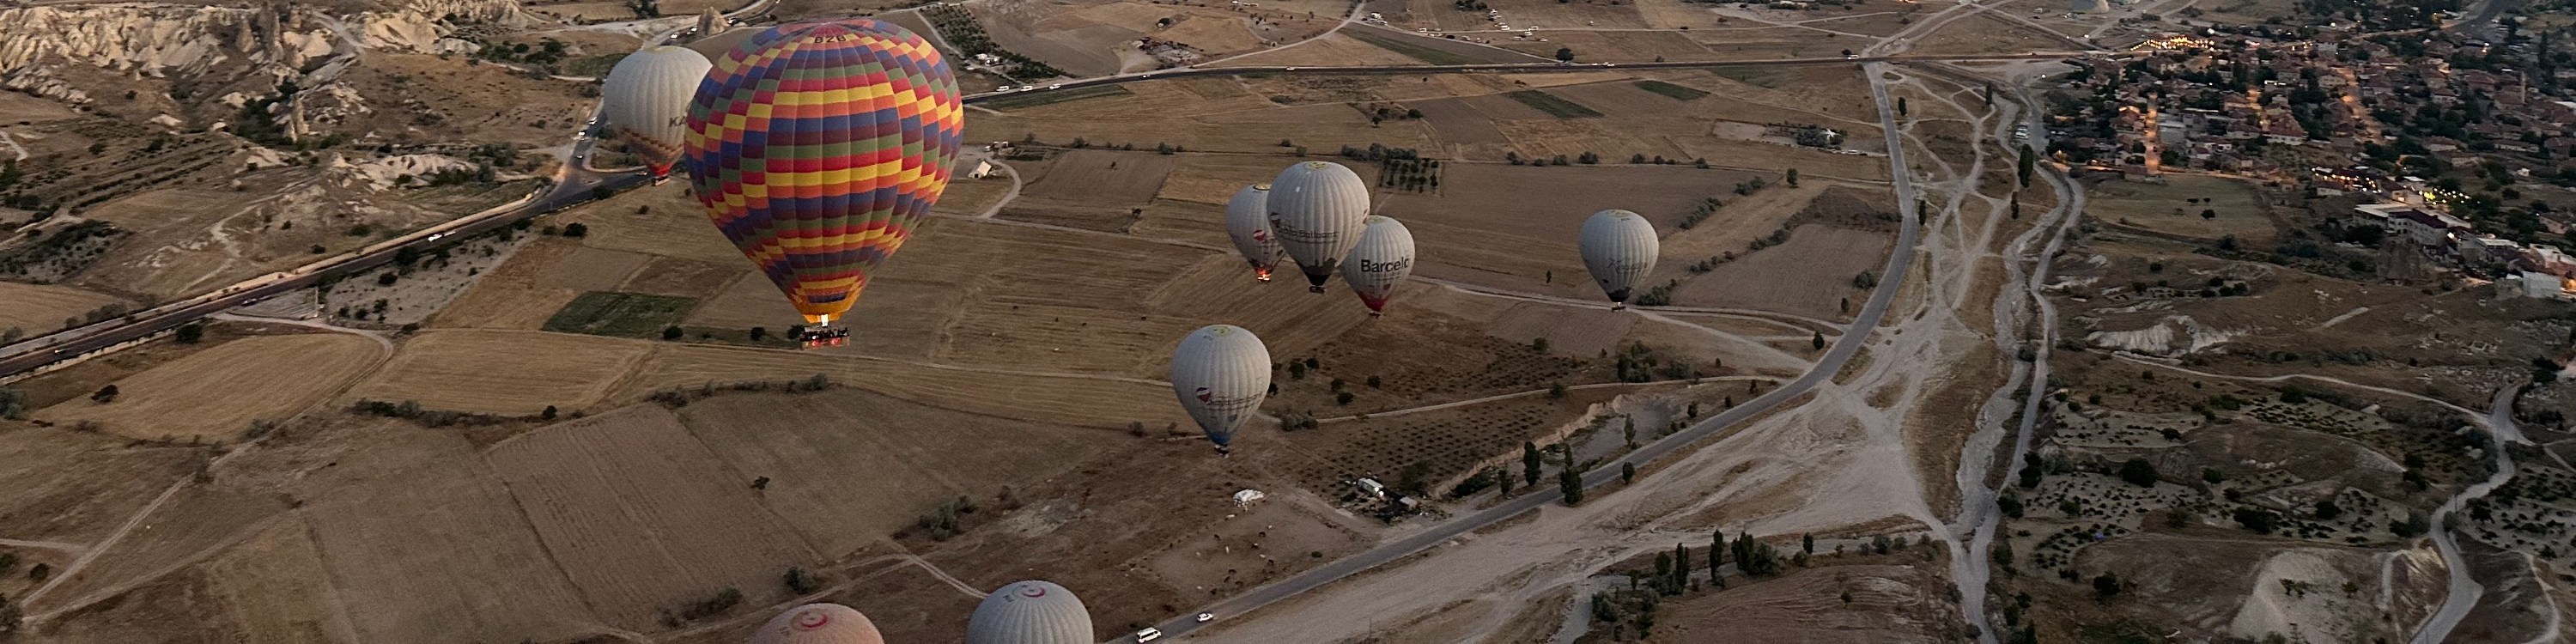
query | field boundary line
(73,548)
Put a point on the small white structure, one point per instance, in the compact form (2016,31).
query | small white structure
(982,169)
(1246,498)
(2530,284)
(1372,489)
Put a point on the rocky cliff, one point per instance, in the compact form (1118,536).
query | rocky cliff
(78,52)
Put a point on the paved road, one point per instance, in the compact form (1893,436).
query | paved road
(2464,589)
(1898,263)
(1501,68)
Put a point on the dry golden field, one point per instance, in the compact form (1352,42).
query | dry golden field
(504,372)
(417,531)
(847,469)
(88,485)
(36,309)
(642,517)
(1090,401)
(213,395)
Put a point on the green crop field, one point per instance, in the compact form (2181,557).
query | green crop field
(1018,101)
(611,313)
(1678,92)
(1416,51)
(1552,105)
(1753,75)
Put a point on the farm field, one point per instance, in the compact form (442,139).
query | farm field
(1812,275)
(1432,51)
(1332,49)
(512,295)
(37,309)
(503,372)
(213,395)
(848,469)
(1481,230)
(641,517)
(1085,401)
(1552,105)
(2170,208)
(1612,46)
(416,530)
(196,521)
(245,582)
(629,315)
(84,486)
(751,300)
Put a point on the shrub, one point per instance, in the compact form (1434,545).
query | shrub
(2138,472)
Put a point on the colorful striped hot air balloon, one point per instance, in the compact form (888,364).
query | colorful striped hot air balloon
(816,146)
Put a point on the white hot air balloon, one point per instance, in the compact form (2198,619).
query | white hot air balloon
(1247,221)
(1619,247)
(1221,373)
(1315,212)
(1030,612)
(818,624)
(646,102)
(1380,261)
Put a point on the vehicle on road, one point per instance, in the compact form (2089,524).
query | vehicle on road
(435,236)
(1149,635)
(1292,69)
(1056,86)
(1205,617)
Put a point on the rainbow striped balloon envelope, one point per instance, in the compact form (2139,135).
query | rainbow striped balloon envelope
(817,146)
